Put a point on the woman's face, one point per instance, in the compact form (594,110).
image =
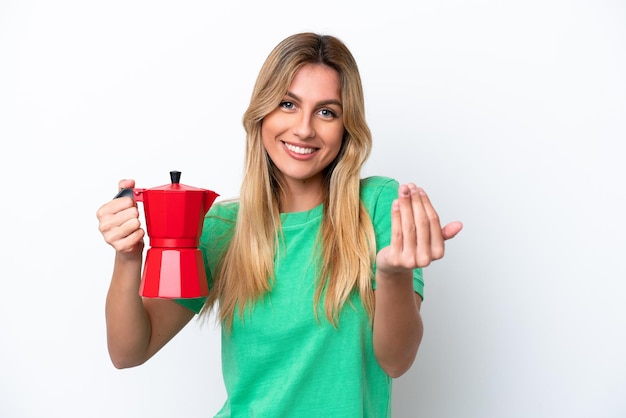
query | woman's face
(303,134)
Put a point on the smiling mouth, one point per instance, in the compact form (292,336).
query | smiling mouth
(299,150)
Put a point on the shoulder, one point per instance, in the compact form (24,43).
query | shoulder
(377,188)
(221,216)
(219,225)
(225,210)
(378,182)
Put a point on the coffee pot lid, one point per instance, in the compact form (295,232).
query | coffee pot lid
(175,185)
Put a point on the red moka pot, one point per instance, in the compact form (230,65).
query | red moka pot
(174,216)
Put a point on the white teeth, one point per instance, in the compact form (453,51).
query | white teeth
(299,150)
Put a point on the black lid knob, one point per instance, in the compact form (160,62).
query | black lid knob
(175,177)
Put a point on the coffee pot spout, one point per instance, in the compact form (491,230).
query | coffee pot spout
(209,198)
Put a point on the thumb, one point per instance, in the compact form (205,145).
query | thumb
(126,184)
(449,231)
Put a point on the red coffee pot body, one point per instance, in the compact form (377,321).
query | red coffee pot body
(174,216)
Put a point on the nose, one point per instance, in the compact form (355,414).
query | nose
(303,126)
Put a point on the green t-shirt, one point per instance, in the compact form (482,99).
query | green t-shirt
(281,361)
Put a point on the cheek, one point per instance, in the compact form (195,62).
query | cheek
(335,139)
(266,133)
(269,128)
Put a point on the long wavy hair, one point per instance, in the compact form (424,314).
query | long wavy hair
(346,243)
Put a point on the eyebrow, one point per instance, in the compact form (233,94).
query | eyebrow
(322,103)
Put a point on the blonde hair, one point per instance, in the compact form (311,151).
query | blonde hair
(346,244)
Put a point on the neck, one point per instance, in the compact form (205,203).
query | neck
(302,196)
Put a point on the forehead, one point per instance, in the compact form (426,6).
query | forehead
(316,82)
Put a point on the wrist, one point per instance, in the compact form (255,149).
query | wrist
(394,274)
(399,278)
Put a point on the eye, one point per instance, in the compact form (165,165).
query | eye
(287,105)
(327,113)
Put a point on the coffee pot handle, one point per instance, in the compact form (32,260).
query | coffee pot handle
(128,192)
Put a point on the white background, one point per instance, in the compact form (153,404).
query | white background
(512,115)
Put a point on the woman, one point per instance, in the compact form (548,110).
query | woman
(315,273)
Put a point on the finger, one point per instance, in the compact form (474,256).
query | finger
(125,189)
(119,205)
(128,227)
(437,245)
(123,231)
(396,228)
(449,231)
(407,219)
(114,214)
(423,253)
(111,208)
(125,184)
(130,242)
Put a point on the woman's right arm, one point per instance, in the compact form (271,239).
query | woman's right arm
(136,327)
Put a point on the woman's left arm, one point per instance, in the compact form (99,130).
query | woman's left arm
(417,239)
